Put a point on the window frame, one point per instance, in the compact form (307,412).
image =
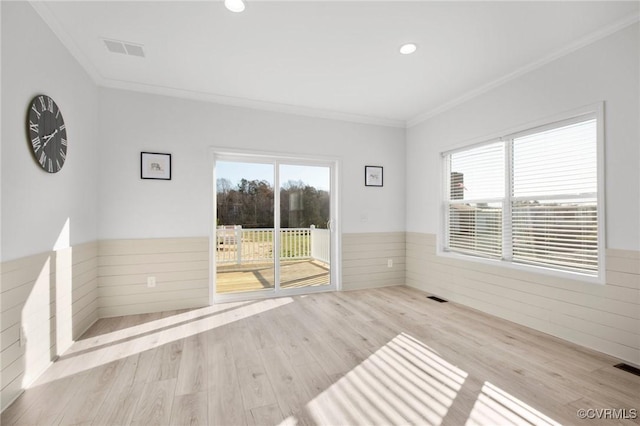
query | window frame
(448,202)
(595,111)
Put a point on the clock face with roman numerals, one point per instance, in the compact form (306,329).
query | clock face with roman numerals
(47,133)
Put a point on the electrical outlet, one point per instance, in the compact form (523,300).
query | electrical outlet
(389,263)
(151,282)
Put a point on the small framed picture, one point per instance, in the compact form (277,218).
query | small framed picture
(372,175)
(155,165)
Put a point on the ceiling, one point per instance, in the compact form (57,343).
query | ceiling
(328,58)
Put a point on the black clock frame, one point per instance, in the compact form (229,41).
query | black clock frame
(47,133)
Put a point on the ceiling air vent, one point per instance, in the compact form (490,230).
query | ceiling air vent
(124,47)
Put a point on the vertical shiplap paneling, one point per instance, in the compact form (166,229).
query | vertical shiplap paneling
(601,317)
(49,298)
(179,265)
(365,260)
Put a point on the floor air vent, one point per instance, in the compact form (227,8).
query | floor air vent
(628,368)
(437,299)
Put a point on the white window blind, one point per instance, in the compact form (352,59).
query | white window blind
(476,197)
(529,199)
(554,201)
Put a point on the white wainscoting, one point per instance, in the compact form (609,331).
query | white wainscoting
(602,317)
(179,265)
(50,299)
(365,257)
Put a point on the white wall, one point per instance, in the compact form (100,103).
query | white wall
(602,317)
(49,280)
(133,122)
(604,71)
(36,204)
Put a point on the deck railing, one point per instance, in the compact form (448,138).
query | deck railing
(320,244)
(237,245)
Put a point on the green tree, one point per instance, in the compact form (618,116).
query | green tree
(250,204)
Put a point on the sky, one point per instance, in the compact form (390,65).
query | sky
(316,176)
(559,161)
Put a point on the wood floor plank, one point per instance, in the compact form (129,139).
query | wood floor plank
(120,406)
(296,348)
(144,365)
(190,409)
(313,379)
(84,407)
(265,416)
(52,398)
(261,331)
(99,386)
(379,356)
(155,403)
(288,389)
(225,404)
(255,386)
(166,363)
(192,373)
(323,353)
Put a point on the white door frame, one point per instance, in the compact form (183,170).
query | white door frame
(231,154)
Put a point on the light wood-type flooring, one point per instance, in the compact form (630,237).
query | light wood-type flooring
(381,356)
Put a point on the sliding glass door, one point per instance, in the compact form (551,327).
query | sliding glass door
(244,238)
(273,233)
(305,219)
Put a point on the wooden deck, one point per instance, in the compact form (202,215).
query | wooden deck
(253,277)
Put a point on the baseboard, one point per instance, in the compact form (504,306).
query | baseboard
(87,327)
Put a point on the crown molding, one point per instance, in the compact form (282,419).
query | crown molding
(250,103)
(583,42)
(51,20)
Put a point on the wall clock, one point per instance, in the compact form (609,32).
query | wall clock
(47,133)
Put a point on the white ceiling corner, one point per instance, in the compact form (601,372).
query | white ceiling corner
(42,8)
(566,50)
(335,60)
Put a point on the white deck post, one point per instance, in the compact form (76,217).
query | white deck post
(238,235)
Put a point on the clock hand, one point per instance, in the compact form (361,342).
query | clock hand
(46,141)
(48,138)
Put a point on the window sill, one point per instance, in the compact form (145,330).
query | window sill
(573,276)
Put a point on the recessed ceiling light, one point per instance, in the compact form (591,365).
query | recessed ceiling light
(407,49)
(234,5)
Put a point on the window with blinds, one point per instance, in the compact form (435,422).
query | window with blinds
(530,198)
(476,198)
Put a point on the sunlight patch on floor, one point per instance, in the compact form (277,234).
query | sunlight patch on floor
(405,381)
(150,326)
(78,362)
(495,406)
